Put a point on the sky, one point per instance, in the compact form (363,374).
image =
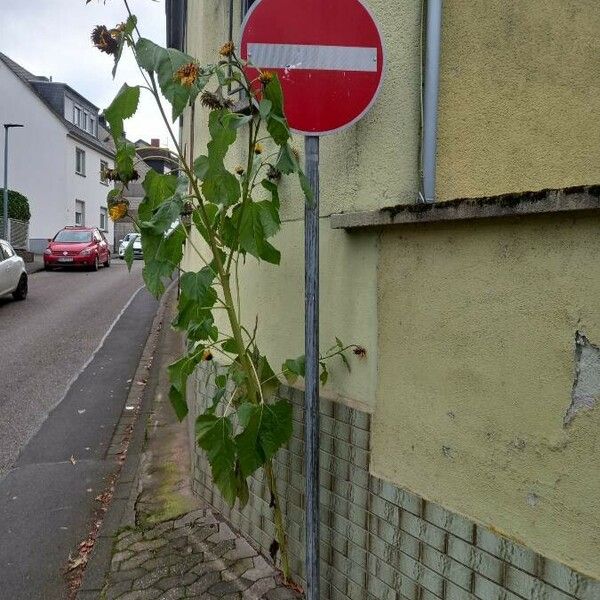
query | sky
(52,38)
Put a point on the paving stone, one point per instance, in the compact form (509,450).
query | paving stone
(117,589)
(150,594)
(127,575)
(147,545)
(173,594)
(149,579)
(204,582)
(121,556)
(260,588)
(137,560)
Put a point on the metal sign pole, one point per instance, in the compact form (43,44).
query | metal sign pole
(311,349)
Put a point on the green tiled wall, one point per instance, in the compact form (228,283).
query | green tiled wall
(380,542)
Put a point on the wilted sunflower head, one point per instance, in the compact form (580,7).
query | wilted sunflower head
(273,174)
(258,149)
(214,101)
(227,49)
(104,40)
(360,351)
(240,170)
(296,153)
(207,355)
(266,77)
(187,75)
(114,175)
(117,211)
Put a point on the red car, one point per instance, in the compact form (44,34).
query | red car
(77,247)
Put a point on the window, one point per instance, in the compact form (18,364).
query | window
(79,212)
(103,218)
(79,161)
(73,236)
(77,116)
(92,126)
(84,122)
(103,169)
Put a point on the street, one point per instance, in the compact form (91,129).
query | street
(67,359)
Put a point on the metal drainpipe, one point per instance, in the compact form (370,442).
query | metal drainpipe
(430,101)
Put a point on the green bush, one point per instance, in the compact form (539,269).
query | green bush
(18,206)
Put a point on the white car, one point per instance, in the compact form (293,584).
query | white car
(13,276)
(137,245)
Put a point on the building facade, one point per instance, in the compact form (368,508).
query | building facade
(58,157)
(460,459)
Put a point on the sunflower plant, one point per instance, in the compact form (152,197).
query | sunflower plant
(224,217)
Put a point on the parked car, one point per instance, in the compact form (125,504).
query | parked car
(77,247)
(134,238)
(13,276)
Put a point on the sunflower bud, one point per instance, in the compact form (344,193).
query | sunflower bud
(258,149)
(207,355)
(240,170)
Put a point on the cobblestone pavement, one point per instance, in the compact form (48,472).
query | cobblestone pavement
(196,556)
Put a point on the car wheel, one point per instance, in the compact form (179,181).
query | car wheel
(107,263)
(96,265)
(47,268)
(21,292)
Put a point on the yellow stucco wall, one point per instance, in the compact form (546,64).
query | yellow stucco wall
(520,85)
(373,164)
(476,364)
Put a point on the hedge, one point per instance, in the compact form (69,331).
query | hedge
(18,206)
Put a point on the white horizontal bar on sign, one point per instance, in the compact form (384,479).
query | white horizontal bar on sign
(316,58)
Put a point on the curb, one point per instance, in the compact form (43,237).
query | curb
(121,510)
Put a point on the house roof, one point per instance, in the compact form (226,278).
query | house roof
(35,83)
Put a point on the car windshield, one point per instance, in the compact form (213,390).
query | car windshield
(70,236)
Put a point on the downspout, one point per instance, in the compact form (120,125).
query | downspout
(431,85)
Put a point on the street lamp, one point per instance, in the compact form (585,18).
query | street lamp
(7,126)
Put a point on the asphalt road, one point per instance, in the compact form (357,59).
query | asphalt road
(67,358)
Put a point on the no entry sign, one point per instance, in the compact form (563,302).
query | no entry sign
(328,55)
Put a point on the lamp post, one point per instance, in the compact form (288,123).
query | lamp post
(7,126)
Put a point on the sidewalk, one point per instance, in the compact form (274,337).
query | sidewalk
(36,265)
(157,540)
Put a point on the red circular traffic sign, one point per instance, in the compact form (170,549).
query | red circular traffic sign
(328,55)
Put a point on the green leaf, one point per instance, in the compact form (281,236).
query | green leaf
(273,189)
(274,94)
(165,62)
(124,158)
(200,327)
(243,493)
(201,167)
(122,107)
(128,254)
(179,371)
(255,222)
(286,161)
(278,129)
(214,435)
(293,368)
(236,120)
(264,108)
(230,346)
(324,373)
(221,381)
(305,185)
(250,453)
(268,380)
(276,427)
(219,186)
(158,188)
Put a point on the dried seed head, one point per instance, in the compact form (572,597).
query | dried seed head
(187,75)
(296,153)
(240,170)
(359,351)
(227,49)
(273,174)
(104,40)
(114,175)
(214,101)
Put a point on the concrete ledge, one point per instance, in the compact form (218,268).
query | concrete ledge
(573,199)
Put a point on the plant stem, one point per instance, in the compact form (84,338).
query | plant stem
(278,519)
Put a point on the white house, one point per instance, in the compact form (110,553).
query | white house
(58,158)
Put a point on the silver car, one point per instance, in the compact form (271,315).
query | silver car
(13,276)
(134,238)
